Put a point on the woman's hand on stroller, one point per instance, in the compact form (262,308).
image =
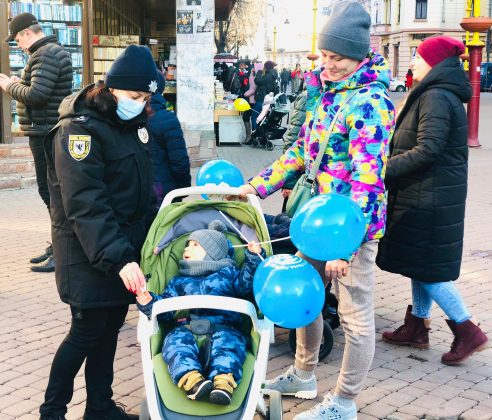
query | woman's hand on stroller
(133,277)
(143,297)
(336,269)
(244,190)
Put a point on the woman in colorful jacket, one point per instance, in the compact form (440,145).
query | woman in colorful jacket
(353,165)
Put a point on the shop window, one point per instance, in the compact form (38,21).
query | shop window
(60,18)
(421,9)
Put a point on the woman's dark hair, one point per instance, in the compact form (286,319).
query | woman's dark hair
(103,101)
(409,72)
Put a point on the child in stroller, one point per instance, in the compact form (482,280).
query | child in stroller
(278,228)
(207,267)
(269,121)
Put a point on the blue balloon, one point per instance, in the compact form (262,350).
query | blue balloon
(288,290)
(219,172)
(328,227)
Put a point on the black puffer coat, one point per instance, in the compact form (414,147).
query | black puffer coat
(100,180)
(46,80)
(427,179)
(266,82)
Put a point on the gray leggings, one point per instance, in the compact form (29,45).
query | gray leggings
(355,295)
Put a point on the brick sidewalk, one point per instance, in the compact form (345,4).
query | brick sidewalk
(403,383)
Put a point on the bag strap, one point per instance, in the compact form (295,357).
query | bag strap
(323,144)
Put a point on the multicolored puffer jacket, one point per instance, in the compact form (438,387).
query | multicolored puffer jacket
(354,161)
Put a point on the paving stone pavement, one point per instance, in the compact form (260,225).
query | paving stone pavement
(403,383)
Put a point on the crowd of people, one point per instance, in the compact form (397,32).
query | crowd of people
(109,153)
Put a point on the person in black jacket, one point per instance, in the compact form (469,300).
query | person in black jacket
(100,181)
(266,82)
(427,181)
(170,159)
(46,80)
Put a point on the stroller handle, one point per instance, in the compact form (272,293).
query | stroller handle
(206,189)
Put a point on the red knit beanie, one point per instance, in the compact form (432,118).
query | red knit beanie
(437,48)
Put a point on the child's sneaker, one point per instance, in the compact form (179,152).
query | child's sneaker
(195,385)
(224,386)
(289,383)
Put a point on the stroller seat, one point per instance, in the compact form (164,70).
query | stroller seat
(160,255)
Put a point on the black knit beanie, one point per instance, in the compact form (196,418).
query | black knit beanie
(134,69)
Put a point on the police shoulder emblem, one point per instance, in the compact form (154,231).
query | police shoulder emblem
(79,146)
(143,134)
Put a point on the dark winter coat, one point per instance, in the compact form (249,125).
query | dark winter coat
(100,178)
(46,80)
(170,159)
(265,82)
(285,76)
(427,179)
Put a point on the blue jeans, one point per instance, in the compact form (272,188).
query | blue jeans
(257,107)
(445,294)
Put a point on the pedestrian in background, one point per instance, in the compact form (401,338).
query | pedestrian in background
(284,80)
(170,161)
(409,80)
(250,95)
(46,80)
(353,164)
(427,183)
(100,180)
(266,82)
(297,77)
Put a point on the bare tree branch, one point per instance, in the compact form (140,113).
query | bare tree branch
(240,27)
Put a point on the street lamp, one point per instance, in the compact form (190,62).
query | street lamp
(474,24)
(313,56)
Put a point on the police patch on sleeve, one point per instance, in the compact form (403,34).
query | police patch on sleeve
(79,146)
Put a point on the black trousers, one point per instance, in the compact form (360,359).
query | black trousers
(36,143)
(92,337)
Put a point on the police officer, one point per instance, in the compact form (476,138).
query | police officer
(100,181)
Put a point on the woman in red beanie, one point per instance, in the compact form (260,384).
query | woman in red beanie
(426,179)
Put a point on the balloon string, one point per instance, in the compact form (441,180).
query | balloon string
(238,231)
(264,242)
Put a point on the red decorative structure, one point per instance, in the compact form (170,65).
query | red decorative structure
(475,46)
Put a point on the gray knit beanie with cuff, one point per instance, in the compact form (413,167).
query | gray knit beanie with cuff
(347,31)
(212,240)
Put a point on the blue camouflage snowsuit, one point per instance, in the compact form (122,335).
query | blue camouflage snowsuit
(228,344)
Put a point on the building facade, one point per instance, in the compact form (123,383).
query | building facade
(400,26)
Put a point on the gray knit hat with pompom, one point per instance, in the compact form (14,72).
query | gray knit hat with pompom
(212,240)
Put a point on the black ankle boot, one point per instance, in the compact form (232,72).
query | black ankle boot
(47,267)
(48,252)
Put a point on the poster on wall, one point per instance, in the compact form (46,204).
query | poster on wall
(204,23)
(184,22)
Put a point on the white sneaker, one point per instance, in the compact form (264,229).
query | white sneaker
(290,384)
(328,410)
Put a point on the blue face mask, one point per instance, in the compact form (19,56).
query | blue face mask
(129,108)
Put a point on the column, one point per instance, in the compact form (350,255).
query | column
(195,50)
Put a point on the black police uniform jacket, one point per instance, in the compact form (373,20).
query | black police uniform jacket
(99,177)
(426,178)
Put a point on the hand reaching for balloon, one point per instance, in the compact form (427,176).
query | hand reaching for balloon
(133,277)
(336,269)
(254,248)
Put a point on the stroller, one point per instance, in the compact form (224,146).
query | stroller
(269,131)
(278,227)
(161,252)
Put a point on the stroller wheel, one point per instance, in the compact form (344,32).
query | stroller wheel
(255,143)
(326,342)
(269,146)
(144,411)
